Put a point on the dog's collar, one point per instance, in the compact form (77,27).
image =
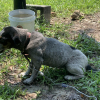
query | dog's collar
(28,35)
(27,40)
(25,45)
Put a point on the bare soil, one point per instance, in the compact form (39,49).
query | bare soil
(91,26)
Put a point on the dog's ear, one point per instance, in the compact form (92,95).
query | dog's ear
(15,37)
(11,33)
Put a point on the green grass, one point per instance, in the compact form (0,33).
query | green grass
(6,6)
(64,8)
(90,84)
(7,92)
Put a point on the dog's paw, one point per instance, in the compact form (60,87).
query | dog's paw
(21,74)
(27,81)
(68,77)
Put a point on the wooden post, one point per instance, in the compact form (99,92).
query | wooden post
(19,4)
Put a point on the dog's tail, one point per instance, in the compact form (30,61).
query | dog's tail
(89,68)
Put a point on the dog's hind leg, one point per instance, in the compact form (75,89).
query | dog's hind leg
(76,70)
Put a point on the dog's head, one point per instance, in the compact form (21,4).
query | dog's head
(9,38)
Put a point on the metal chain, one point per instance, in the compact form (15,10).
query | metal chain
(65,85)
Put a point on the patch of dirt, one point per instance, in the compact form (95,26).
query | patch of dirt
(89,25)
(37,91)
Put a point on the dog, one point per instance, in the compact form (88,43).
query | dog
(44,51)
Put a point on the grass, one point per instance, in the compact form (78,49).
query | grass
(8,92)
(63,8)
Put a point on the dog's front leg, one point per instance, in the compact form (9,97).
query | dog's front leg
(29,69)
(34,70)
